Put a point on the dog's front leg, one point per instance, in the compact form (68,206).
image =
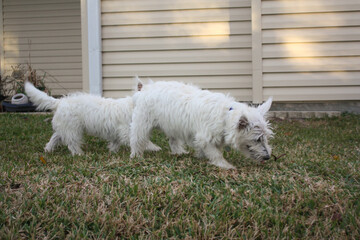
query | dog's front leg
(216,157)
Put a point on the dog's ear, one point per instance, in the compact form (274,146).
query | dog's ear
(265,107)
(139,86)
(243,123)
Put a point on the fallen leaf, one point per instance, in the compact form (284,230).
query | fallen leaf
(42,159)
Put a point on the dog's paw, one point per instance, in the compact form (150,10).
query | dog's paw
(223,164)
(179,152)
(47,150)
(153,147)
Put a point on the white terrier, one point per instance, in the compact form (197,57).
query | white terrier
(204,120)
(80,112)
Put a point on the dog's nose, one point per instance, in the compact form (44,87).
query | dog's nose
(267,157)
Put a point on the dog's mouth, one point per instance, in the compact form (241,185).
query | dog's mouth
(257,157)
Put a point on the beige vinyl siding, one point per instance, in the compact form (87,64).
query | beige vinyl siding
(205,42)
(311,50)
(49,31)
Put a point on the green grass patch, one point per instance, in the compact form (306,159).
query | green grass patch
(312,192)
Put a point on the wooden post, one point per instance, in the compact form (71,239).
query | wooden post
(2,51)
(257,77)
(92,10)
(84,47)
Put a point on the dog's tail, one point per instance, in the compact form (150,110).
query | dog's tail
(39,98)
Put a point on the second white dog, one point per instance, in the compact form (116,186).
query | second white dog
(204,120)
(80,112)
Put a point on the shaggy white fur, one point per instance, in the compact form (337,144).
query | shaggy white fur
(203,120)
(80,112)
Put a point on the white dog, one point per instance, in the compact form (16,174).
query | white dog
(80,112)
(204,120)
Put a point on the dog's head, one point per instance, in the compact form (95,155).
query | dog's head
(249,131)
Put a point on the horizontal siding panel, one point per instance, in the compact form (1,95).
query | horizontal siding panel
(59,80)
(11,53)
(39,20)
(160,5)
(60,92)
(42,40)
(311,49)
(311,64)
(311,35)
(64,85)
(186,69)
(206,81)
(186,16)
(45,46)
(171,30)
(311,79)
(51,66)
(177,43)
(56,73)
(183,56)
(31,34)
(313,93)
(42,27)
(311,20)
(308,6)
(34,8)
(22,2)
(62,72)
(40,14)
(238,94)
(49,59)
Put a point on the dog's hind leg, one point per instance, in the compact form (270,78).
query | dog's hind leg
(140,130)
(177,147)
(55,140)
(73,140)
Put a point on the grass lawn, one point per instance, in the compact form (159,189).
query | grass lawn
(313,192)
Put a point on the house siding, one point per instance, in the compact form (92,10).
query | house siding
(311,50)
(207,43)
(292,50)
(47,34)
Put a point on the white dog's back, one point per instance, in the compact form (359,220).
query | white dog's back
(181,109)
(98,116)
